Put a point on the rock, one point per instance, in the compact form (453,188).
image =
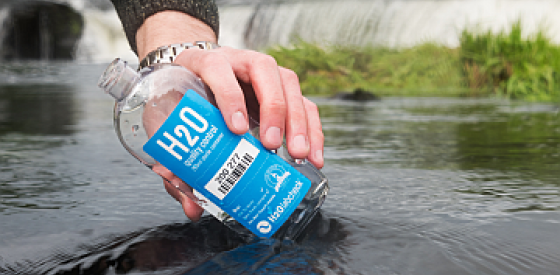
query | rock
(40,30)
(358,94)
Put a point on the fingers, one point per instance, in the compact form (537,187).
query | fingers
(263,73)
(180,191)
(265,78)
(297,138)
(215,70)
(192,210)
(316,136)
(223,68)
(282,108)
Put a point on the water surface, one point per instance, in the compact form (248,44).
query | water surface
(418,186)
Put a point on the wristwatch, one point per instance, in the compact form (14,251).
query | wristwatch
(167,54)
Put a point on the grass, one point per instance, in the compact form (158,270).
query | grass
(504,64)
(507,64)
(424,69)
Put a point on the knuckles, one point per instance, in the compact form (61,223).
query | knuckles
(276,106)
(211,60)
(261,61)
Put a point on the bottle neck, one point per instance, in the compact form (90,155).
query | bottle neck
(118,79)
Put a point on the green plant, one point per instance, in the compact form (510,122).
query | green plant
(507,64)
(422,70)
(504,64)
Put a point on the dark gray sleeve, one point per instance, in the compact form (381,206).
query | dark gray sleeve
(133,13)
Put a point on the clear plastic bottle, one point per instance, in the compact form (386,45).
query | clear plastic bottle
(258,196)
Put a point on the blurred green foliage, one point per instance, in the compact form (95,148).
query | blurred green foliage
(426,69)
(510,65)
(504,64)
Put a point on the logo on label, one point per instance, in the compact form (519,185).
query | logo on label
(275,176)
(264,227)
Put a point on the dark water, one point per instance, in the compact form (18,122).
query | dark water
(418,186)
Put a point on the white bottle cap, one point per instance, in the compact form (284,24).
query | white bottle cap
(118,79)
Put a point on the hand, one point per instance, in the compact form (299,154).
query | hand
(237,77)
(276,91)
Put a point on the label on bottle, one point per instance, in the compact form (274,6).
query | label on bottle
(235,172)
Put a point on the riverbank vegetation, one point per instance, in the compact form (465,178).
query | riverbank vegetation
(504,64)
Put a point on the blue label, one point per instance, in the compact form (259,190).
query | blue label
(250,183)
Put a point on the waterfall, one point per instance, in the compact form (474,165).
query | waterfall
(103,38)
(260,24)
(4,13)
(45,29)
(395,23)
(233,23)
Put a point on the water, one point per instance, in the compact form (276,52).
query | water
(418,186)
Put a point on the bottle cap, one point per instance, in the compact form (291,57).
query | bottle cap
(118,79)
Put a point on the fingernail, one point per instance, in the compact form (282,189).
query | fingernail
(273,136)
(300,143)
(239,122)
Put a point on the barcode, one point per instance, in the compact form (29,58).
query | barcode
(232,170)
(239,170)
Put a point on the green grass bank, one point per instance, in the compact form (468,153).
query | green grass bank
(505,64)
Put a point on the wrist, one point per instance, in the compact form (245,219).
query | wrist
(170,27)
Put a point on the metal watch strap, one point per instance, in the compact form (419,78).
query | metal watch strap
(167,54)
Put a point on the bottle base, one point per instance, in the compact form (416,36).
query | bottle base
(305,212)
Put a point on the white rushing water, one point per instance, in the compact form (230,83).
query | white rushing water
(395,23)
(4,13)
(103,38)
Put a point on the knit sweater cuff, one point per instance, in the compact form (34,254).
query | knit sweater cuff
(133,13)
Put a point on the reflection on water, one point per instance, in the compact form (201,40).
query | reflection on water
(36,109)
(507,151)
(31,118)
(172,247)
(206,247)
(419,186)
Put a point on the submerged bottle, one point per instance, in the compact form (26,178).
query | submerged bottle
(165,115)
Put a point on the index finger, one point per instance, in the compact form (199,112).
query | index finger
(263,73)
(216,71)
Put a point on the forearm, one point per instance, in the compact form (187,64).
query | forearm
(134,13)
(178,27)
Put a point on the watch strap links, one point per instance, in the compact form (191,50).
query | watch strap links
(168,54)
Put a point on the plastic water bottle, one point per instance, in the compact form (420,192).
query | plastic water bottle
(164,114)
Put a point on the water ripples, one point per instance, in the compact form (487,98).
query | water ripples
(418,186)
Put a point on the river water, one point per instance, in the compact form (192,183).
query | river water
(418,186)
